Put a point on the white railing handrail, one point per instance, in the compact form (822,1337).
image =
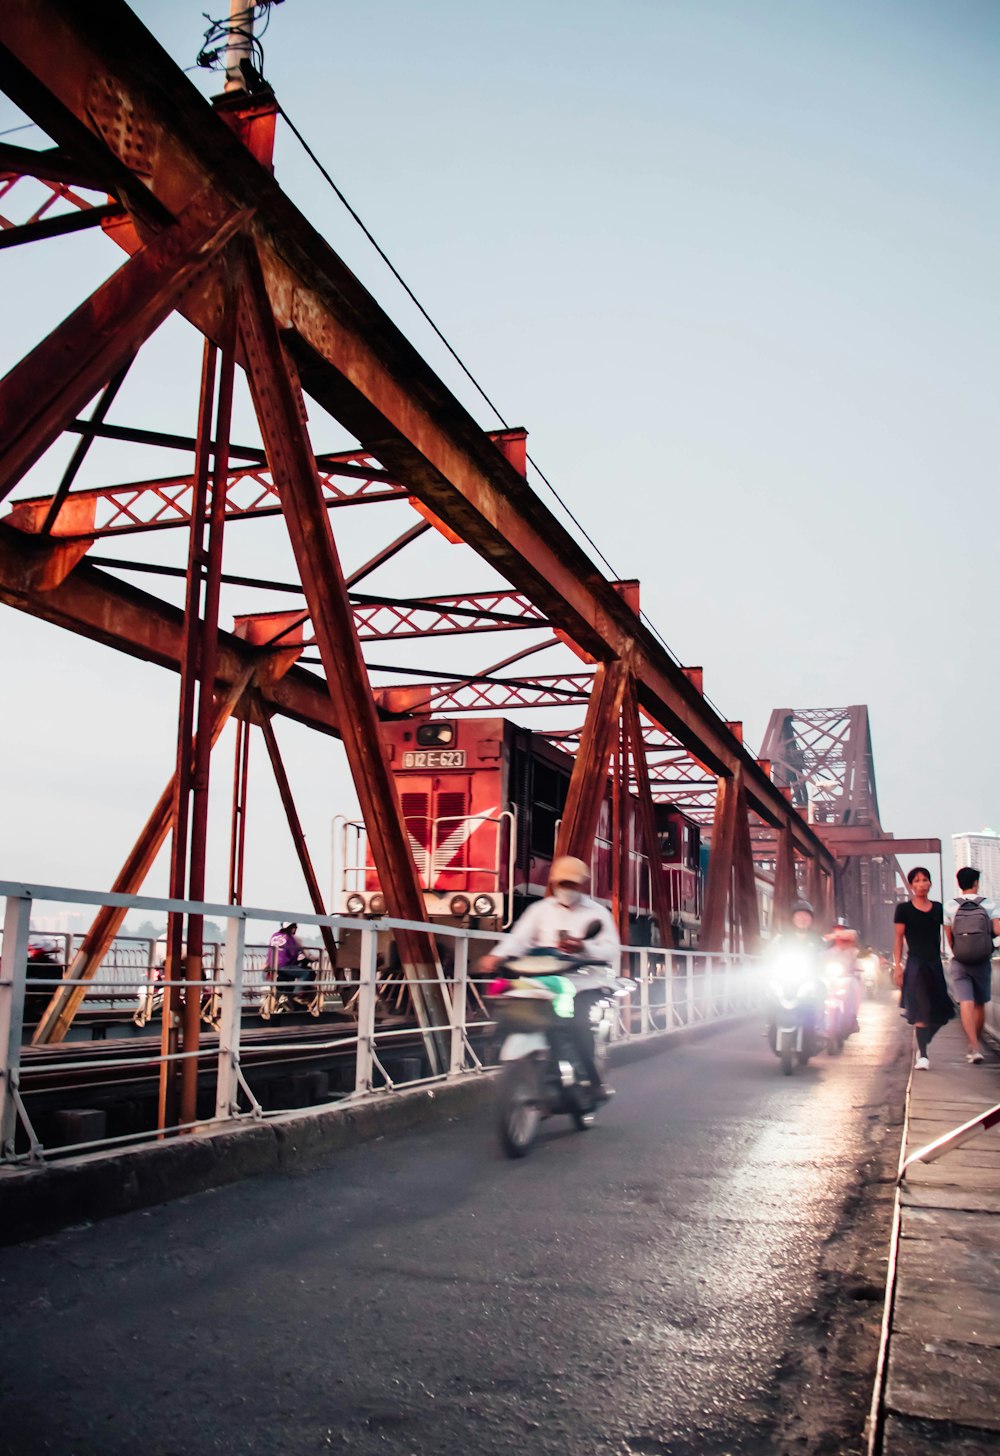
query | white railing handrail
(676,988)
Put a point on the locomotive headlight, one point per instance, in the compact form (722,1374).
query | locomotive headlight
(483,905)
(376,905)
(355,904)
(436,735)
(459,905)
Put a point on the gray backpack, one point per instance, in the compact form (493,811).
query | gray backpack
(971,932)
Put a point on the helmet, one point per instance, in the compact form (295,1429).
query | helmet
(841,922)
(802,905)
(566,870)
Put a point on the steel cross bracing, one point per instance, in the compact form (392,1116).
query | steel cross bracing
(824,757)
(209,236)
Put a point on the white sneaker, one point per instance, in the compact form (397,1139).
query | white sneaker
(922,1064)
(974,1057)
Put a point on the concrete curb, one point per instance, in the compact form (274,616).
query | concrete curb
(35,1201)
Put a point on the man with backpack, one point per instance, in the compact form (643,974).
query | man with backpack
(970,923)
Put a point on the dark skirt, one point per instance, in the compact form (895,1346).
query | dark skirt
(925,992)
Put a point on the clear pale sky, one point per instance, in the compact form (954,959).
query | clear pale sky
(733,265)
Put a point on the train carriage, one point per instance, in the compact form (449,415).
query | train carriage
(482,800)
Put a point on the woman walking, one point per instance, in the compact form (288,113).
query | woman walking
(925,992)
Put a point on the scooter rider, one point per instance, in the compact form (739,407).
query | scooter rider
(289,964)
(561,922)
(803,938)
(844,945)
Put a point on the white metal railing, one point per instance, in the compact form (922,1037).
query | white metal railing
(674,989)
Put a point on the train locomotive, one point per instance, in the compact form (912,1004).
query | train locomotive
(482,800)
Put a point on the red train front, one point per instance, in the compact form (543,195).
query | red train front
(482,800)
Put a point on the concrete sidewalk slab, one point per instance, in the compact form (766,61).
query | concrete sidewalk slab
(942,1389)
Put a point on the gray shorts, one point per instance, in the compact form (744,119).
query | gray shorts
(971,983)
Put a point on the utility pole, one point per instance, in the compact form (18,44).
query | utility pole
(240,47)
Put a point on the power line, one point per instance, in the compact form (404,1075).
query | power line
(471,377)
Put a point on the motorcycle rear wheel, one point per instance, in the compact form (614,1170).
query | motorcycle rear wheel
(519,1112)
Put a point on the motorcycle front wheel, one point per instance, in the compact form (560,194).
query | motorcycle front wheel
(519,1112)
(786,1051)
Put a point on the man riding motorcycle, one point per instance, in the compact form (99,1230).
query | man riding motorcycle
(561,922)
(801,940)
(843,942)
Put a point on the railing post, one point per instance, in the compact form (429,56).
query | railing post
(689,988)
(644,990)
(13,976)
(708,1007)
(366,1011)
(458,999)
(230,1009)
(668,993)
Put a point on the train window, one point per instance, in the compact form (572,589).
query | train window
(548,799)
(667,836)
(436,735)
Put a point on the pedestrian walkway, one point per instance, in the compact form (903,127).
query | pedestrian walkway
(943,1377)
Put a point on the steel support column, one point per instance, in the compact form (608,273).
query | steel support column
(280,411)
(746,904)
(720,866)
(589,780)
(647,816)
(785,886)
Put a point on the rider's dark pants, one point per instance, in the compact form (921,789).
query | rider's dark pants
(583,1039)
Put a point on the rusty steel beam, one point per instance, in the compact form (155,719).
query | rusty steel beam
(164,505)
(56,227)
(589,780)
(48,388)
(351,358)
(106,610)
(478,694)
(745,902)
(647,817)
(65,1001)
(720,865)
(279,408)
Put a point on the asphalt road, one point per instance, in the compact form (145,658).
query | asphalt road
(696,1274)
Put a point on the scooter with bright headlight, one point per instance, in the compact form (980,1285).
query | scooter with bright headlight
(794,1009)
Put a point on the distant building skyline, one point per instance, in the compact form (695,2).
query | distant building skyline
(981,849)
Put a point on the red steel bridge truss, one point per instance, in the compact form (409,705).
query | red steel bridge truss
(185,189)
(823,756)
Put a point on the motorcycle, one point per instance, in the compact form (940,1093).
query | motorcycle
(302,992)
(870,969)
(795,1009)
(838,1006)
(542,1075)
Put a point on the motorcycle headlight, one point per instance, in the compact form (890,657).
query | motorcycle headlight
(355,904)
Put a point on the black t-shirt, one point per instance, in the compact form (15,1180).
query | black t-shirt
(922,928)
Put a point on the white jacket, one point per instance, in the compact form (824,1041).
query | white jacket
(541,923)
